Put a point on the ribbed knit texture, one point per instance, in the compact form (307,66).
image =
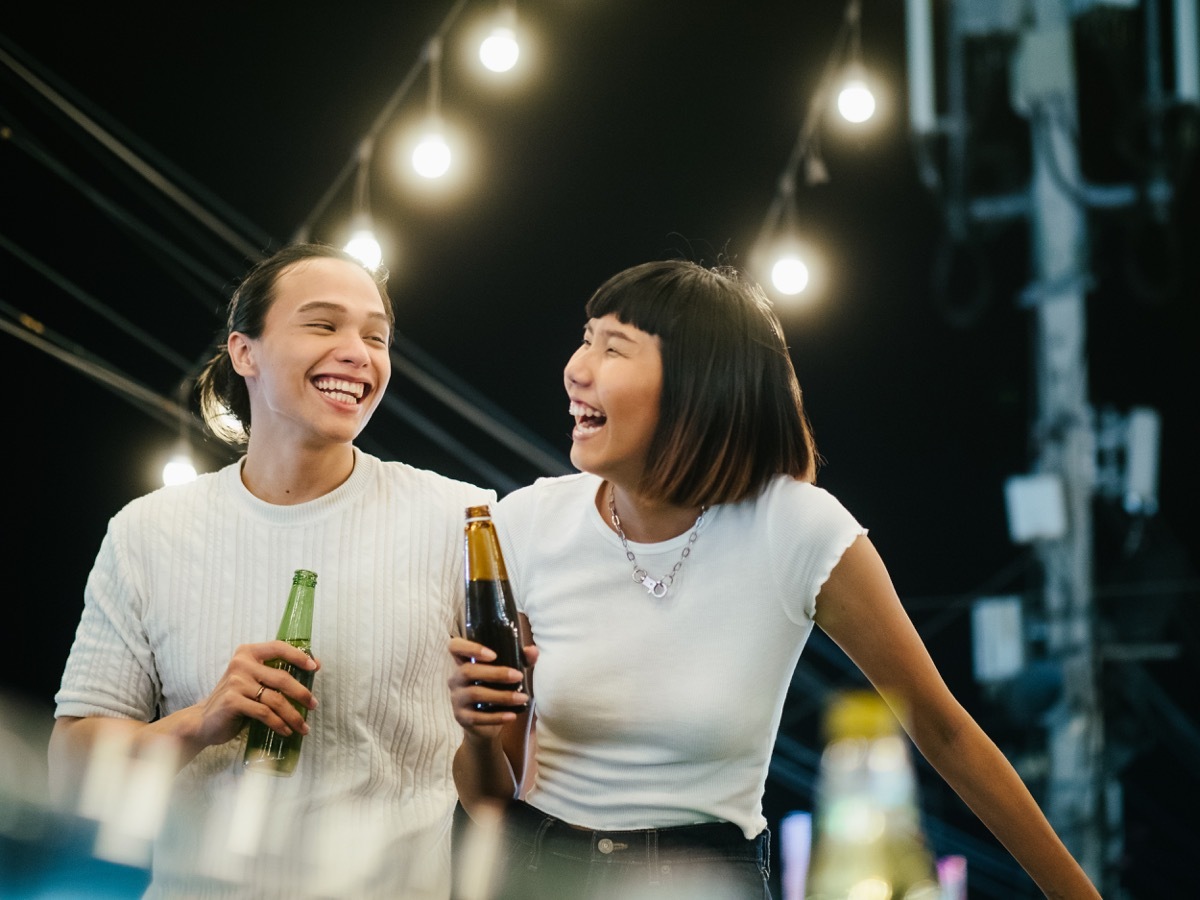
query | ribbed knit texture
(660,712)
(186,574)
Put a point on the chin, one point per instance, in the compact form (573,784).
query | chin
(579,460)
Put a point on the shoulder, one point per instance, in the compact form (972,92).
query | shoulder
(792,505)
(171,499)
(549,492)
(425,481)
(784,490)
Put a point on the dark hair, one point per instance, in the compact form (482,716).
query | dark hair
(222,391)
(731,414)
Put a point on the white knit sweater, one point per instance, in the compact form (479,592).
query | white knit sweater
(186,574)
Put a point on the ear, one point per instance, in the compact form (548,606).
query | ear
(241,354)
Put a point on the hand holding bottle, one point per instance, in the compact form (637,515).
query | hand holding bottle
(269,749)
(477,681)
(492,626)
(222,715)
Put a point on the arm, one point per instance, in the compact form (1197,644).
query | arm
(215,720)
(490,763)
(859,609)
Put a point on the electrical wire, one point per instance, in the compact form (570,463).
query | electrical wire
(124,153)
(28,329)
(83,297)
(805,137)
(473,408)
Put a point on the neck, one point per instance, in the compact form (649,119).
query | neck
(295,474)
(644,520)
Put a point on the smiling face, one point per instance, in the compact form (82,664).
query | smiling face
(614,382)
(318,370)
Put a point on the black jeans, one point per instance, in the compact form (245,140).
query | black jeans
(543,858)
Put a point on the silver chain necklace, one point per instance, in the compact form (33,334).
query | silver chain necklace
(656,587)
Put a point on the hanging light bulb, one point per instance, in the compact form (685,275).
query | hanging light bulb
(499,51)
(431,157)
(363,245)
(855,101)
(179,469)
(782,253)
(789,274)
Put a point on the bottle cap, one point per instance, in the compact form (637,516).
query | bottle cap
(478,512)
(305,577)
(859,714)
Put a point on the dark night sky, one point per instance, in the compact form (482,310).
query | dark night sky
(642,130)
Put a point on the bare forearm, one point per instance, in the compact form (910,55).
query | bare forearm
(985,780)
(483,774)
(73,741)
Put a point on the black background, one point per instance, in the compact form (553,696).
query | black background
(638,131)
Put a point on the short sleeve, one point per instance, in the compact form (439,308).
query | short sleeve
(110,669)
(808,530)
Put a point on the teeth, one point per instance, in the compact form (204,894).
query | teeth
(582,409)
(339,389)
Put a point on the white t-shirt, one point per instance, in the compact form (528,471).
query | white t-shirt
(186,574)
(660,712)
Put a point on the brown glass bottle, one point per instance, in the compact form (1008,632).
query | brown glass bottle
(267,750)
(491,614)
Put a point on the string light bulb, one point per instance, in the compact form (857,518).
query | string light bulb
(363,245)
(784,258)
(179,469)
(499,51)
(431,157)
(789,274)
(782,252)
(855,101)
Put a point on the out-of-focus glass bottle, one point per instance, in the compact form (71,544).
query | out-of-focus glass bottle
(491,613)
(267,750)
(868,843)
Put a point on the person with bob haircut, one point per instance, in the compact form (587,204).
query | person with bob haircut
(669,588)
(189,586)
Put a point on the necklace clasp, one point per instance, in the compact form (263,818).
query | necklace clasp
(655,587)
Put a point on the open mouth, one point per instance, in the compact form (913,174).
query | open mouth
(348,392)
(587,418)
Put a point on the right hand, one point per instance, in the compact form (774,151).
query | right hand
(472,665)
(237,695)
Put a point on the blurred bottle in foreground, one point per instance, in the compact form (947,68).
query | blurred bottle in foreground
(867,838)
(266,750)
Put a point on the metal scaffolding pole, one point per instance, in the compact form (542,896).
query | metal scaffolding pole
(1045,92)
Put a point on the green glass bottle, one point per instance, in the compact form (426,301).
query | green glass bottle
(266,750)
(867,836)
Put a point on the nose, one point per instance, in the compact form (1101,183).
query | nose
(576,371)
(353,351)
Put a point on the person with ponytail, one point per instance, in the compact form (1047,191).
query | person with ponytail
(189,584)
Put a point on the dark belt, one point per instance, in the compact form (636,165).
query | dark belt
(707,840)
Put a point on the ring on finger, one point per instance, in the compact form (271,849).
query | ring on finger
(261,687)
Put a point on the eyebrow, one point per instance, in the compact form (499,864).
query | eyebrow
(315,305)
